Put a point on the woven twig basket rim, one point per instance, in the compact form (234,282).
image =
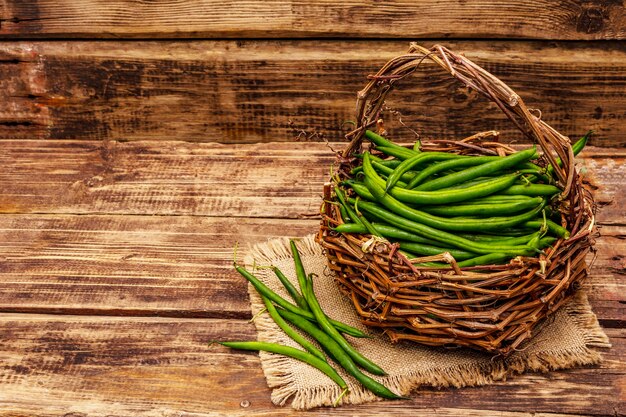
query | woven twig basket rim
(566,260)
(371,98)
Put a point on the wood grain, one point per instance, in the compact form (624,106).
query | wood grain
(131,265)
(287,18)
(150,366)
(182,266)
(277,180)
(262,91)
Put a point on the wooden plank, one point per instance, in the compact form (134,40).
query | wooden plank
(278,180)
(182,266)
(261,91)
(287,18)
(131,265)
(52,365)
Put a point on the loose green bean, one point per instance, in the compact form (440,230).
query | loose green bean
(325,324)
(292,353)
(300,273)
(338,355)
(293,292)
(478,171)
(441,196)
(264,290)
(295,336)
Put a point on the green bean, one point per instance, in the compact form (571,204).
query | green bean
(478,171)
(381,141)
(398,152)
(546,241)
(488,259)
(385,230)
(428,250)
(450,164)
(494,209)
(470,183)
(441,196)
(449,224)
(531,190)
(300,273)
(396,234)
(455,224)
(557,229)
(534,242)
(322,320)
(342,201)
(406,176)
(293,292)
(500,239)
(360,189)
(497,199)
(576,149)
(292,353)
(446,238)
(338,355)
(388,163)
(370,229)
(416,160)
(344,214)
(265,291)
(295,336)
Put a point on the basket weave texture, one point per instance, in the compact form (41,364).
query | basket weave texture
(492,308)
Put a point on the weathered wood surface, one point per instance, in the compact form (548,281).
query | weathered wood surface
(276,180)
(181,266)
(139,229)
(288,18)
(53,365)
(57,261)
(261,91)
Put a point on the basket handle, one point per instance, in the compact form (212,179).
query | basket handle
(371,98)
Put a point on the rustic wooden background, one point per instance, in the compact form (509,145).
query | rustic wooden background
(142,139)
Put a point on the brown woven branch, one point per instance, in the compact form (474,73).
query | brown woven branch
(492,308)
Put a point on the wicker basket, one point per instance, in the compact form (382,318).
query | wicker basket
(491,308)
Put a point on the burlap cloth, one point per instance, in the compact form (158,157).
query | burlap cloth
(565,340)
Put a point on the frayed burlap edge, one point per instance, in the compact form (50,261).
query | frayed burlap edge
(279,375)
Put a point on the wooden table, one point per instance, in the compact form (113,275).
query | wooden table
(131,167)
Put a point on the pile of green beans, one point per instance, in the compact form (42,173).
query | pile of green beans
(308,316)
(480,209)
